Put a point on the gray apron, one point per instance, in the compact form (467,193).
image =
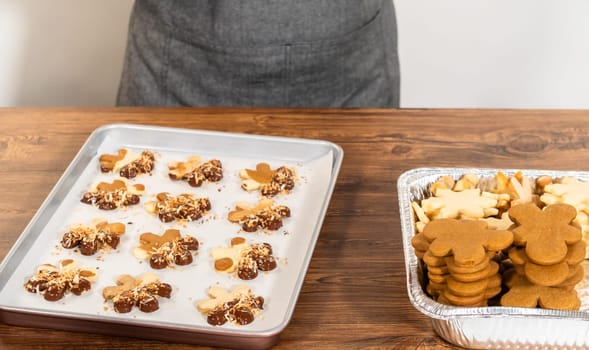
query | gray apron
(290,53)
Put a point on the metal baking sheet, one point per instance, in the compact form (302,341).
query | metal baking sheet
(317,165)
(489,327)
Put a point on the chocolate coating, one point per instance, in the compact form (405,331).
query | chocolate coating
(217,317)
(158,261)
(123,304)
(88,247)
(243,316)
(148,304)
(82,286)
(54,292)
(164,290)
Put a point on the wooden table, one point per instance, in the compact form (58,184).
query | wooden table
(354,295)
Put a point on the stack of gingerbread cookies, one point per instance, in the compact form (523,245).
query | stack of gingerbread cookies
(459,258)
(464,264)
(546,255)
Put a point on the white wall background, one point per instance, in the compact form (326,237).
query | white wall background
(454,53)
(494,53)
(61,52)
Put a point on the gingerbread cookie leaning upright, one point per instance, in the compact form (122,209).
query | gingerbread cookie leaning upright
(518,188)
(570,190)
(268,181)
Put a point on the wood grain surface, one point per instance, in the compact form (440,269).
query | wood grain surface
(354,295)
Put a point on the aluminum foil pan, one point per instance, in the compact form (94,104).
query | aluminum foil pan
(490,327)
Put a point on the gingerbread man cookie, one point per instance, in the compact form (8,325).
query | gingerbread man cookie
(543,275)
(467,240)
(571,191)
(522,293)
(545,233)
(109,196)
(128,165)
(245,259)
(142,292)
(196,173)
(420,245)
(264,215)
(458,269)
(184,207)
(166,249)
(53,282)
(491,269)
(90,239)
(576,275)
(559,274)
(239,306)
(268,181)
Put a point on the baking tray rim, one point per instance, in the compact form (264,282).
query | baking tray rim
(338,150)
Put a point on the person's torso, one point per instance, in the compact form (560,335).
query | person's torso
(263,22)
